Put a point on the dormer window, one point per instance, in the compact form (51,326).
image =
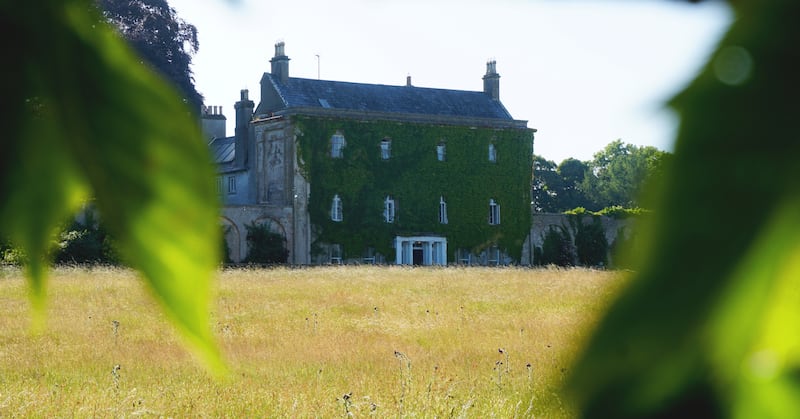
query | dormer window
(337,145)
(388,209)
(336,209)
(386,149)
(492,153)
(441,151)
(494,212)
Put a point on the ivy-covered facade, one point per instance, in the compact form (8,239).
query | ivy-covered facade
(374,173)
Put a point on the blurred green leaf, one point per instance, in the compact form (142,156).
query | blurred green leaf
(708,326)
(86,118)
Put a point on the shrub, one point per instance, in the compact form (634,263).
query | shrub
(264,245)
(557,248)
(591,244)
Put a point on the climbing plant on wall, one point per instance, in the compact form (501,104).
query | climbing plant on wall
(416,179)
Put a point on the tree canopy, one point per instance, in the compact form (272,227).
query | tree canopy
(616,177)
(161,38)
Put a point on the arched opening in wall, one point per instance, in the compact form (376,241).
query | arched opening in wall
(231,239)
(266,242)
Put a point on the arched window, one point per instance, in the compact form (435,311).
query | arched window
(492,153)
(388,209)
(442,211)
(494,212)
(336,208)
(337,145)
(386,149)
(441,151)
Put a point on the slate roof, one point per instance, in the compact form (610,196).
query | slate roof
(223,149)
(324,94)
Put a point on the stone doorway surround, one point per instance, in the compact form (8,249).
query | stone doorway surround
(420,250)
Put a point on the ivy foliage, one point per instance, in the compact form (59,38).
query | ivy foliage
(85,118)
(416,179)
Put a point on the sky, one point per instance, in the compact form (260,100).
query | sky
(582,73)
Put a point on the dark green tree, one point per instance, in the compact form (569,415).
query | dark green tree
(547,186)
(161,38)
(573,172)
(591,246)
(557,248)
(265,245)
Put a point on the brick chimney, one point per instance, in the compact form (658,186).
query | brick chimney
(491,80)
(280,64)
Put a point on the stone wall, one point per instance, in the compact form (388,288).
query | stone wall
(541,223)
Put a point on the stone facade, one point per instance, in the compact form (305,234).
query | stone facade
(263,180)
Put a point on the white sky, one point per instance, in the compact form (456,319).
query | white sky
(583,73)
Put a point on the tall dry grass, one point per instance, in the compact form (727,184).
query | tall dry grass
(317,342)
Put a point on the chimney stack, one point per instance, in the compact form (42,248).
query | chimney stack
(280,63)
(491,81)
(212,122)
(244,113)
(408,81)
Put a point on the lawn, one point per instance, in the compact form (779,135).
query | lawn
(317,342)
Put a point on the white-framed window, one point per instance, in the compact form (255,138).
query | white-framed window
(441,152)
(231,185)
(386,149)
(494,212)
(492,153)
(337,145)
(442,211)
(388,209)
(336,208)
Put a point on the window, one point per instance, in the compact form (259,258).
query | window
(492,153)
(441,151)
(219,184)
(442,211)
(388,209)
(494,212)
(337,145)
(386,149)
(336,208)
(231,184)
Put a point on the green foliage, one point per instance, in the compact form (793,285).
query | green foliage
(591,246)
(707,328)
(165,41)
(466,180)
(265,246)
(86,243)
(83,117)
(618,173)
(557,248)
(616,212)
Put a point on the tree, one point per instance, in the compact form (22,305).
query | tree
(162,39)
(618,172)
(547,186)
(573,172)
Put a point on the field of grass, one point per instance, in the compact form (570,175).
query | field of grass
(318,342)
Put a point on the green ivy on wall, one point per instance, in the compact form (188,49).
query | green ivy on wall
(415,178)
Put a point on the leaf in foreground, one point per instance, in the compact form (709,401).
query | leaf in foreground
(708,327)
(86,118)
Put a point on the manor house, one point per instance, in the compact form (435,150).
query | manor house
(352,172)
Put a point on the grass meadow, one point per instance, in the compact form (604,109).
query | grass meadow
(302,343)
